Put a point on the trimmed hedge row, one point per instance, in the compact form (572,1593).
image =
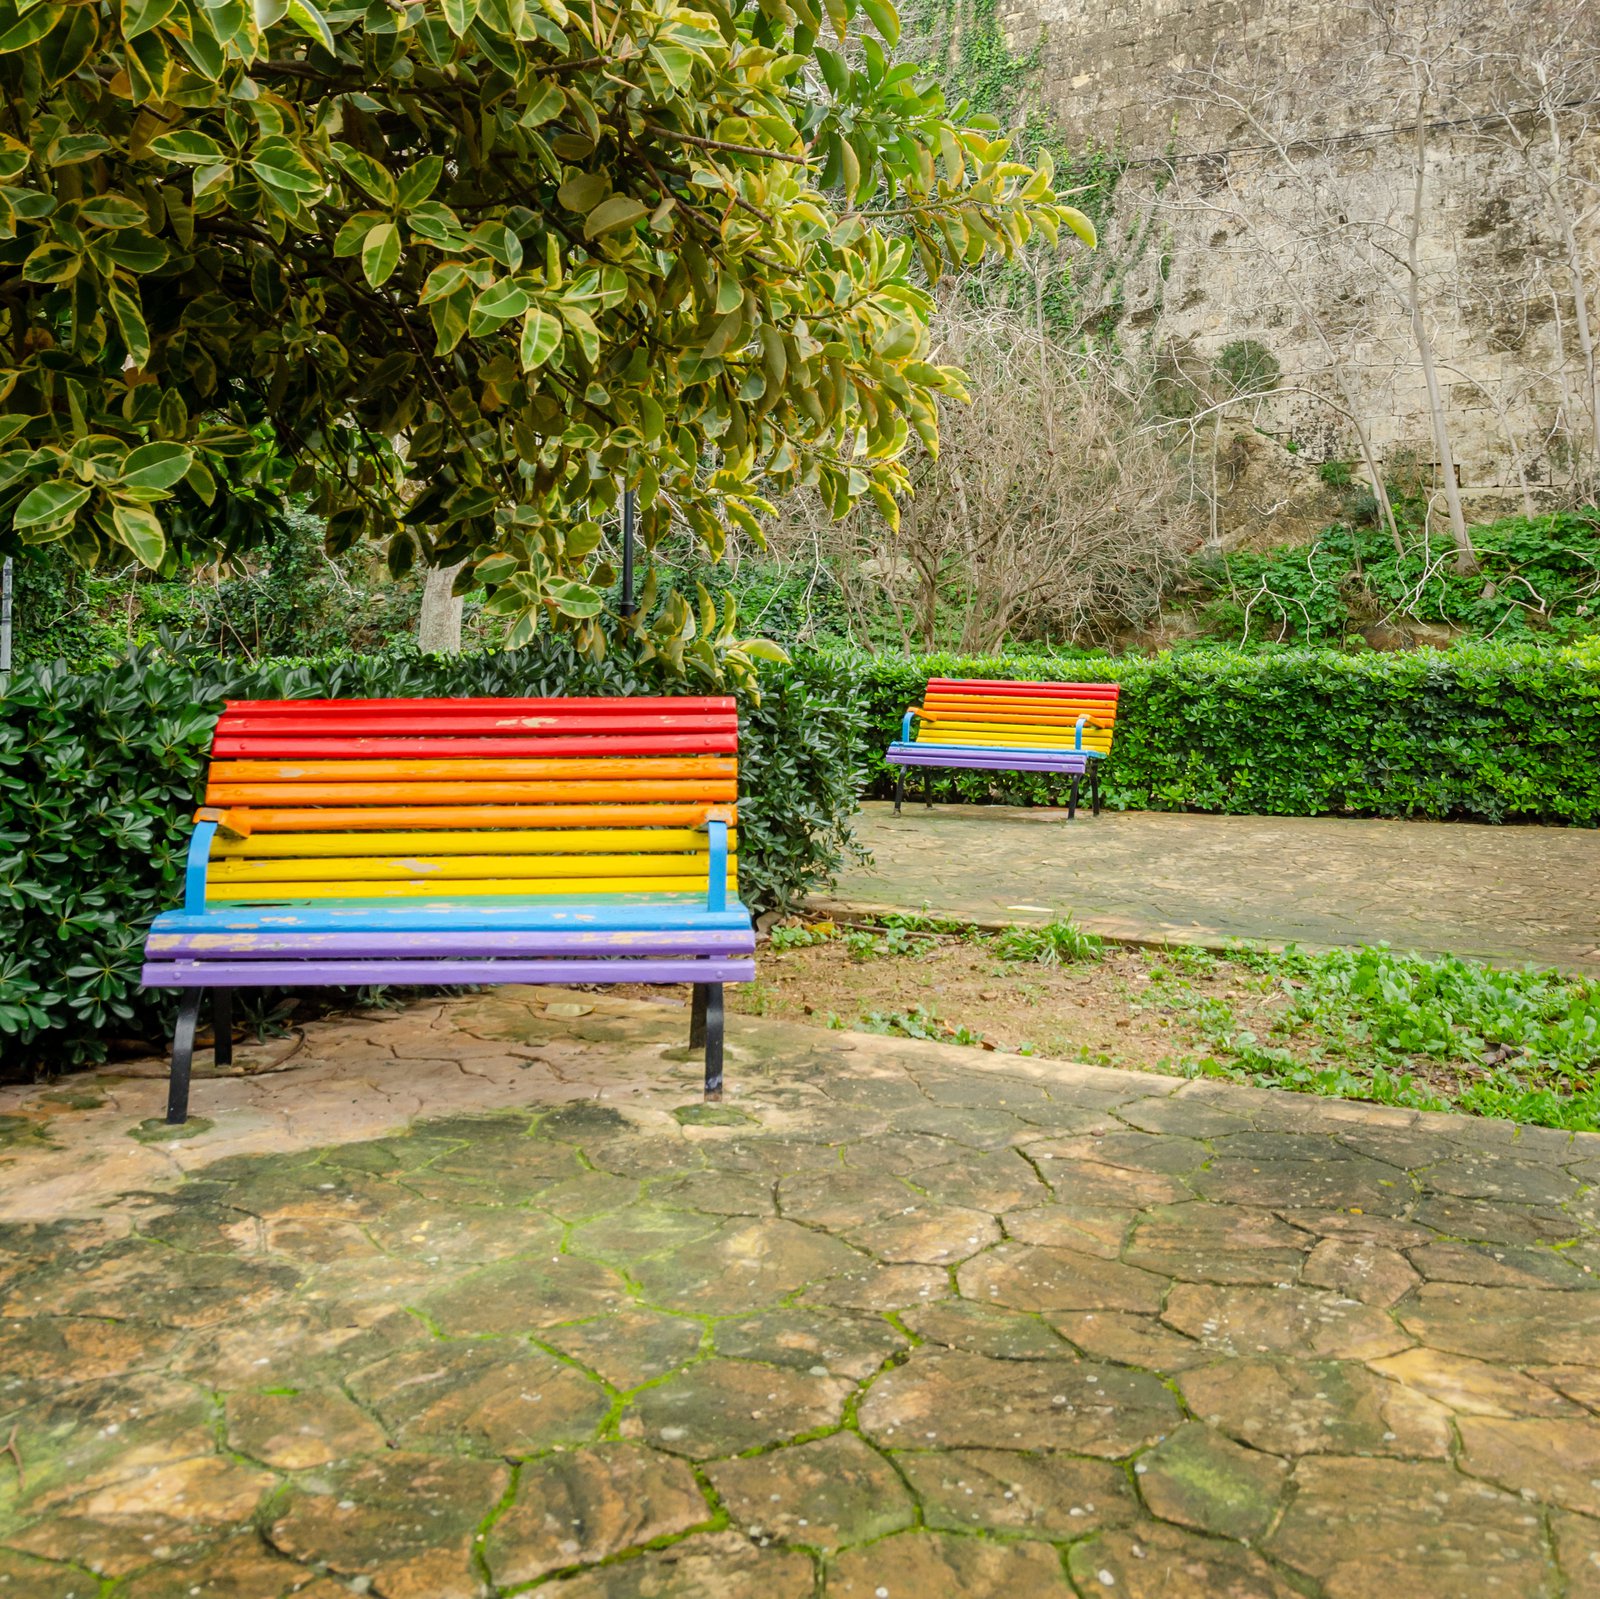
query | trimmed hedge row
(1485,732)
(100,771)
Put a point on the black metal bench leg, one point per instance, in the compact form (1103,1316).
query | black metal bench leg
(182,1057)
(1094,786)
(1072,803)
(222,1026)
(899,788)
(697,1017)
(927,791)
(713,1041)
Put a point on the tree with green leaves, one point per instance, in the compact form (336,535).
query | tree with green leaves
(471,267)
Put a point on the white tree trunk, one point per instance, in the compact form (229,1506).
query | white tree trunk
(439,625)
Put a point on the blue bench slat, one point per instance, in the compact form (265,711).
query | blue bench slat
(358,973)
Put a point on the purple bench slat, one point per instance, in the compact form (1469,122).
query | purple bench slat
(356,973)
(423,945)
(1000,761)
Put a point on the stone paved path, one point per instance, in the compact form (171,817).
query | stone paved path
(1504,894)
(898,1320)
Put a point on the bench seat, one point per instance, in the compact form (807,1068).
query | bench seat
(970,725)
(425,842)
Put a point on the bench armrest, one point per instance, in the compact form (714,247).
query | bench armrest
(905,722)
(1077,732)
(715,827)
(194,869)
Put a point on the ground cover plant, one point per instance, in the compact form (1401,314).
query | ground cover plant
(1428,1033)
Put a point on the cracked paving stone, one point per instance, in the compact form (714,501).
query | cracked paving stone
(645,1157)
(170,1289)
(628,1346)
(239,1569)
(1491,1222)
(821,1342)
(1047,1496)
(296,1431)
(917,1565)
(425,1231)
(954,1400)
(744,1264)
(923,1234)
(1387,1231)
(1089,1229)
(590,1193)
(707,1566)
(523,1296)
(496,1397)
(1546,1458)
(987,1182)
(1516,1326)
(769,1156)
(1199,1479)
(67,1349)
(1300,1407)
(844,1198)
(1376,1529)
(1218,1244)
(1498,1266)
(1183,1114)
(626,1237)
(1354,1183)
(1033,1277)
(982,1129)
(721,1407)
(404,1521)
(1581,1384)
(872,1286)
(826,1494)
(291,1348)
(982,1090)
(1289,1321)
(1473,1387)
(579,1507)
(717,1194)
(1139,1152)
(1578,1554)
(1130,1340)
(108,1548)
(1488,1175)
(1003,1334)
(1368,1272)
(1089,1183)
(31,1578)
(1155,1562)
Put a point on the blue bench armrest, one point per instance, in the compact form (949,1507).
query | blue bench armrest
(905,725)
(716,829)
(194,869)
(1077,738)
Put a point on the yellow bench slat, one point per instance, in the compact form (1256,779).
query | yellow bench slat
(447,868)
(279,893)
(554,841)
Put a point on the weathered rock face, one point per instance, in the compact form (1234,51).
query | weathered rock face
(1217,239)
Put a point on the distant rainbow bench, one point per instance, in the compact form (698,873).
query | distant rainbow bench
(422,841)
(979,726)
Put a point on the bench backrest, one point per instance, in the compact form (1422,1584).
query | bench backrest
(1021,715)
(363,799)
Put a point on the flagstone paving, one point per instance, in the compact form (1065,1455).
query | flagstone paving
(477,1298)
(1500,894)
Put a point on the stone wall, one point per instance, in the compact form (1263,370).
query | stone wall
(1215,240)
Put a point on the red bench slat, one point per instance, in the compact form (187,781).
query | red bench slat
(717,704)
(301,746)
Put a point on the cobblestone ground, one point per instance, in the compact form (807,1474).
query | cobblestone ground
(897,1320)
(1503,894)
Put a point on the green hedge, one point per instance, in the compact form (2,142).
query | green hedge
(100,771)
(1485,732)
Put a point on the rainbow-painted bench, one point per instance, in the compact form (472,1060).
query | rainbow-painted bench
(461,841)
(973,725)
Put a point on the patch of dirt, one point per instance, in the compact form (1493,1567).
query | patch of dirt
(1119,1011)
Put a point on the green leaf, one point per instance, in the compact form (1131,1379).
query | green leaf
(140,529)
(541,338)
(573,599)
(309,20)
(420,181)
(156,466)
(620,211)
(28,29)
(884,18)
(1080,224)
(280,165)
(50,504)
(113,211)
(140,16)
(583,191)
(51,263)
(129,317)
(380,253)
(186,146)
(546,102)
(498,303)
(367,173)
(459,15)
(495,568)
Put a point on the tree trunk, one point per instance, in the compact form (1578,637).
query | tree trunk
(439,625)
(1466,556)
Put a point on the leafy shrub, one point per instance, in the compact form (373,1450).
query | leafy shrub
(99,772)
(1483,732)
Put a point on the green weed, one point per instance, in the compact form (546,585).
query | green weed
(1058,943)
